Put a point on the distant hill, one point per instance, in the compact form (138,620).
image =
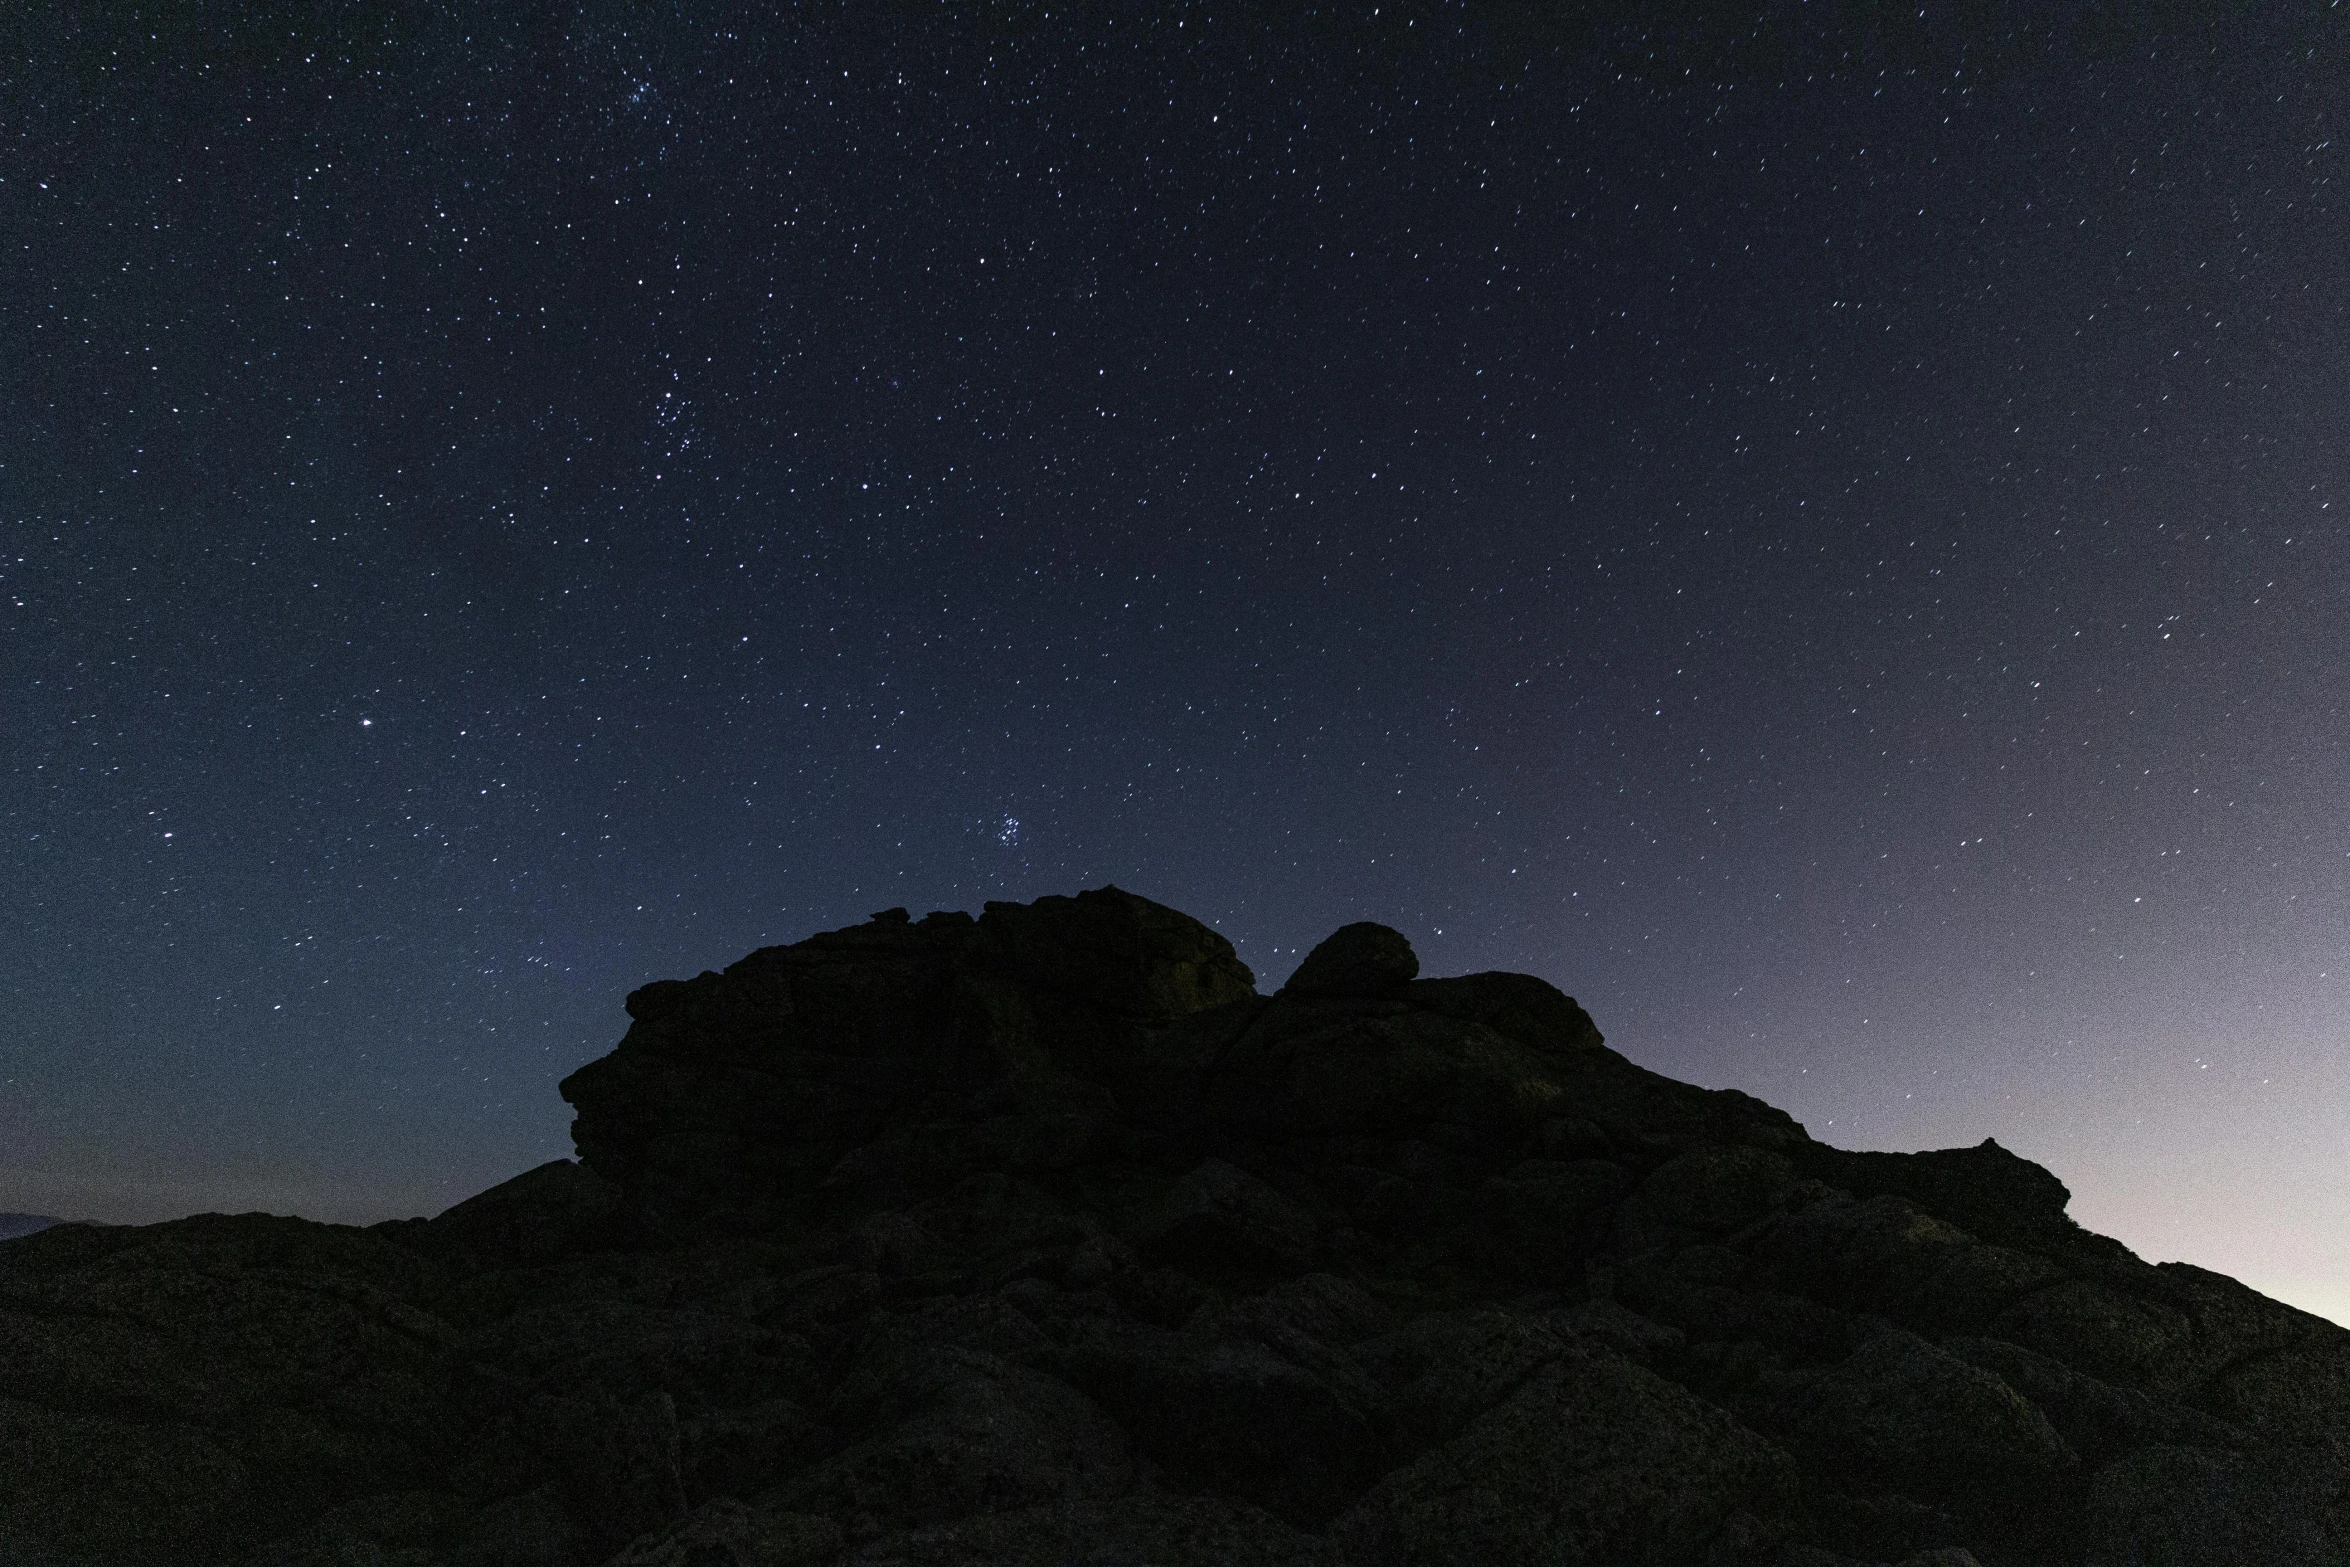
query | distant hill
(14,1224)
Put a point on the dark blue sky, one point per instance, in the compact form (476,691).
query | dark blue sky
(1825,541)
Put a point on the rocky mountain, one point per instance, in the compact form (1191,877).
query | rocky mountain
(14,1224)
(1042,1237)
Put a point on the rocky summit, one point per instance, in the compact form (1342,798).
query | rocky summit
(1042,1237)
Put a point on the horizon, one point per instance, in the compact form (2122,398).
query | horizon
(2323,1298)
(1821,541)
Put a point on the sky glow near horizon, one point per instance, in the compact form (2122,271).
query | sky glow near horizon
(1827,547)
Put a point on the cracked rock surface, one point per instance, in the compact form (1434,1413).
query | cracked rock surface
(1042,1237)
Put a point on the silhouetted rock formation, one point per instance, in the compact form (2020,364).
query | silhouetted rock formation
(1043,1238)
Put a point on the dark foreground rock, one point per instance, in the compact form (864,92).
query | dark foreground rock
(1043,1238)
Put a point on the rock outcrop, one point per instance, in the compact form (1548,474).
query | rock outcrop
(1042,1237)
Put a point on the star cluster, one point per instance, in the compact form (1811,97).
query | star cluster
(1826,544)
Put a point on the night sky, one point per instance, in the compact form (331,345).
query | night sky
(1825,540)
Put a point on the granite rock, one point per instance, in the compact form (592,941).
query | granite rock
(1041,1236)
(1362,959)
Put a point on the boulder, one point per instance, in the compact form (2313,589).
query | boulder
(957,1433)
(2165,1503)
(1902,1411)
(1711,1191)
(1383,1073)
(1890,1255)
(1531,1011)
(1984,1189)
(1219,1219)
(1590,1460)
(1295,1432)
(1123,953)
(1446,1369)
(1362,959)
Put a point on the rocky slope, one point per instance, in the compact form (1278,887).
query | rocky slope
(1042,1237)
